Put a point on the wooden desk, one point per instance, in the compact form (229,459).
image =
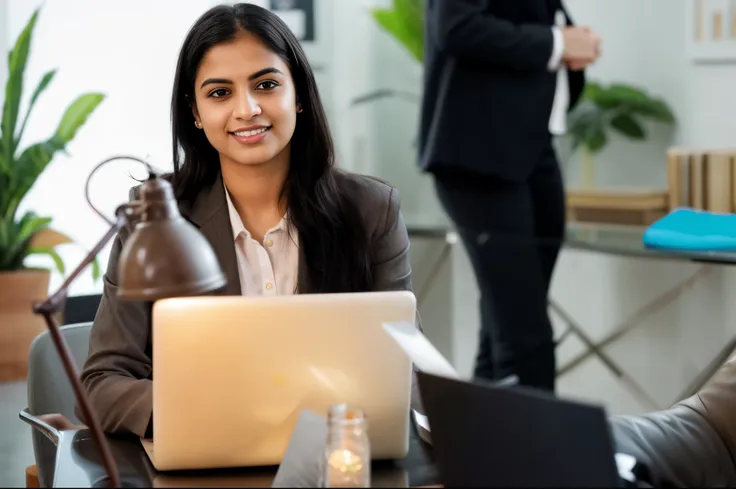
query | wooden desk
(78,465)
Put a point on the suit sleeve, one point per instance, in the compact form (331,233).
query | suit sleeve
(391,266)
(693,444)
(466,31)
(118,367)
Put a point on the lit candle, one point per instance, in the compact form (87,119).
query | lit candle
(345,469)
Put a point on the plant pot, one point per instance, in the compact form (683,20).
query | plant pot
(18,323)
(587,167)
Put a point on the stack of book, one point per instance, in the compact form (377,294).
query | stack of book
(618,205)
(702,179)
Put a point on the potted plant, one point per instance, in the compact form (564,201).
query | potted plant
(404,21)
(617,107)
(28,234)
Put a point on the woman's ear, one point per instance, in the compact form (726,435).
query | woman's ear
(195,114)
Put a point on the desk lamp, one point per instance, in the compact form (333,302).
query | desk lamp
(164,256)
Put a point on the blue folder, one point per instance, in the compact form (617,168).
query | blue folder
(689,229)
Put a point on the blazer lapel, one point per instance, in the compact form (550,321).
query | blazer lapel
(552,7)
(209,213)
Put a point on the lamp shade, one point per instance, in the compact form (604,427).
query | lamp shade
(165,255)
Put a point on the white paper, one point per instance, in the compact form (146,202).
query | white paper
(422,420)
(421,352)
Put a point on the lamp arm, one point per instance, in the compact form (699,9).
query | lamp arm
(49,309)
(56,301)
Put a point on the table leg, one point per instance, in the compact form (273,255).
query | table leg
(436,268)
(596,348)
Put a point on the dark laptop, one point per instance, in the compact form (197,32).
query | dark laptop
(490,436)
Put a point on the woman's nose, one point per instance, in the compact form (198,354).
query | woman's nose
(247,107)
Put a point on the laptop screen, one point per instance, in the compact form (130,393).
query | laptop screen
(487,436)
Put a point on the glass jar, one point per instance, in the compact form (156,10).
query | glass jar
(347,457)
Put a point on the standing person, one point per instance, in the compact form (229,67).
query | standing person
(500,77)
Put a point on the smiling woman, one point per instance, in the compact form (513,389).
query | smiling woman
(254,170)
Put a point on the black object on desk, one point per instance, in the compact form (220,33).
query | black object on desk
(486,436)
(78,464)
(81,308)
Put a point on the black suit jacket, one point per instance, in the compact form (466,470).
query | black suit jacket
(488,93)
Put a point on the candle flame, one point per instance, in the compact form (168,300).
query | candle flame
(345,461)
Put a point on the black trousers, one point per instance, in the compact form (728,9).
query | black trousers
(512,232)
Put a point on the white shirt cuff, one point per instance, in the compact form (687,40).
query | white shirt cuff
(557,50)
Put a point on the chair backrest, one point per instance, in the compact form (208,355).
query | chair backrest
(49,390)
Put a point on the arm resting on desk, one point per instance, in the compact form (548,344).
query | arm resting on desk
(692,444)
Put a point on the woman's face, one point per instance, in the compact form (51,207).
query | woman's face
(245,102)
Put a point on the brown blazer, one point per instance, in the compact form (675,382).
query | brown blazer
(691,444)
(118,370)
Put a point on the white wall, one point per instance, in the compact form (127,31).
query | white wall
(4,44)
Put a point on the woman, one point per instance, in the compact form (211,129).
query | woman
(253,169)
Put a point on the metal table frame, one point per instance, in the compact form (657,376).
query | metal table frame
(596,348)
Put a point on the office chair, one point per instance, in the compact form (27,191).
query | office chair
(49,391)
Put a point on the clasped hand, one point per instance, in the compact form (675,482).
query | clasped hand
(582,47)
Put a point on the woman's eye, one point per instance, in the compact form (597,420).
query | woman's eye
(268,85)
(220,92)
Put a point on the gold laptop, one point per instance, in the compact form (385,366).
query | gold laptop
(232,374)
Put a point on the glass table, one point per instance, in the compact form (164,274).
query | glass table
(614,240)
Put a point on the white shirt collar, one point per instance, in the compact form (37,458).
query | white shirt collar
(237,223)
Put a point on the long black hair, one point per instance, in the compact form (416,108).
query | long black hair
(332,240)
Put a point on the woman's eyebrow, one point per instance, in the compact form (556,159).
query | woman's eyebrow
(253,76)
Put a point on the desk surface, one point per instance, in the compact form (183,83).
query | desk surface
(627,240)
(602,238)
(78,465)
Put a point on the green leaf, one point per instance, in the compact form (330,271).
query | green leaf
(595,141)
(76,115)
(94,264)
(628,126)
(405,22)
(51,253)
(618,95)
(31,163)
(30,224)
(411,14)
(14,90)
(21,234)
(96,272)
(6,238)
(39,90)
(591,91)
(585,119)
(654,109)
(34,160)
